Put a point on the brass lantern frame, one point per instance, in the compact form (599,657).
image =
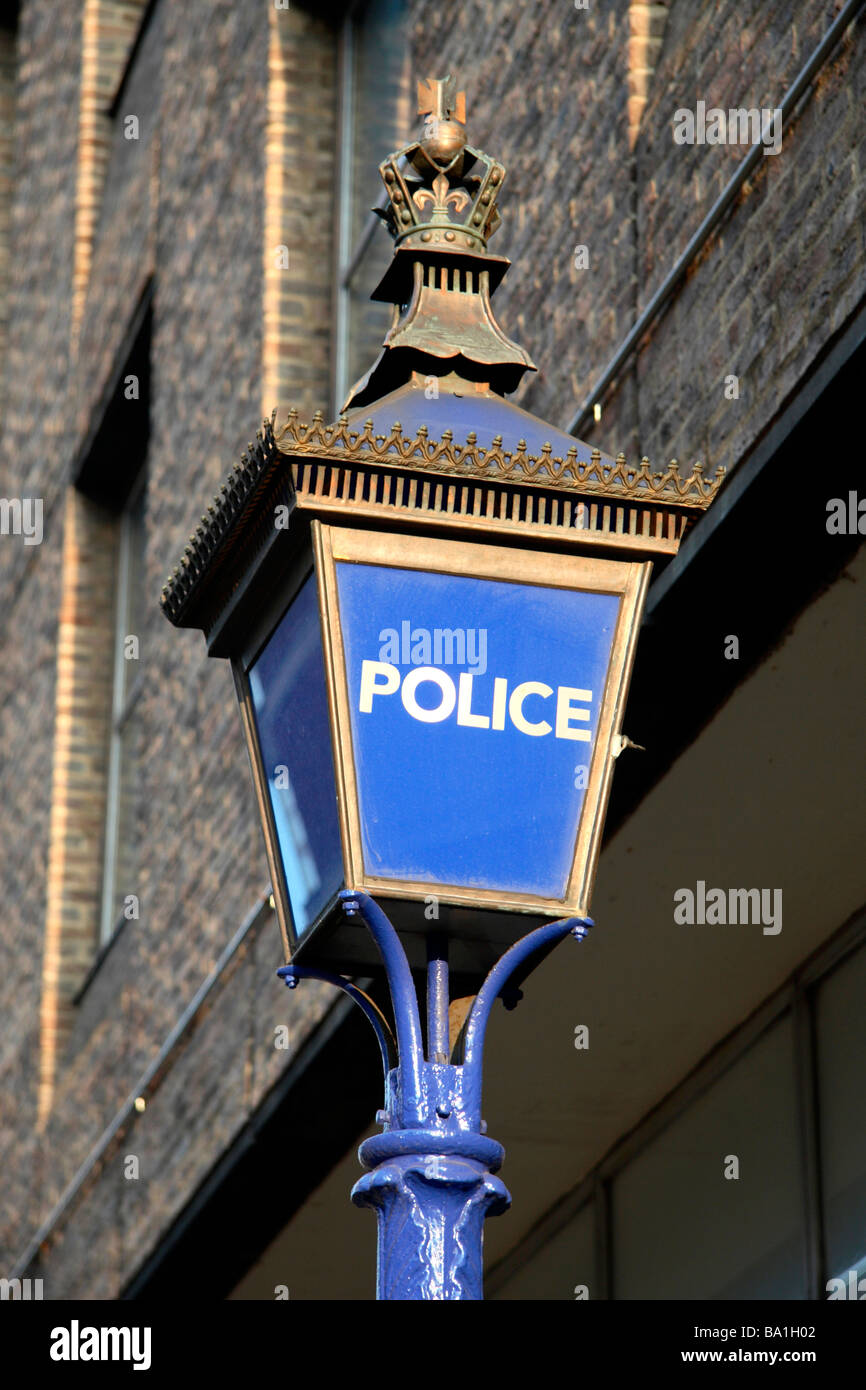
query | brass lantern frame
(242,569)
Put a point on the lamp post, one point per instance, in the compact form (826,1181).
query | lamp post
(431,608)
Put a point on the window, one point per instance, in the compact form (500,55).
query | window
(112,473)
(376,114)
(118,864)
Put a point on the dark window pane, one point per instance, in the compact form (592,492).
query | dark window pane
(564,1268)
(842,1091)
(287,682)
(682,1228)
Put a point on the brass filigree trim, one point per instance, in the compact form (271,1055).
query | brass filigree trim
(618,479)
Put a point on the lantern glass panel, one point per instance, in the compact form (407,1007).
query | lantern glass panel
(472,722)
(287,684)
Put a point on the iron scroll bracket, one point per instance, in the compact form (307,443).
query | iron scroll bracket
(406,1072)
(431,1175)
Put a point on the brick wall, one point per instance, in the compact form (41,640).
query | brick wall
(109,28)
(85,664)
(547,93)
(300,137)
(185,203)
(234,98)
(556,91)
(786,269)
(35,426)
(85,633)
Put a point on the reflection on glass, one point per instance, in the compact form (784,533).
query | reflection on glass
(842,1089)
(564,1268)
(120,855)
(287,683)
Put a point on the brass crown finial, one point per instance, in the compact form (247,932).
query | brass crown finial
(441,191)
(441,211)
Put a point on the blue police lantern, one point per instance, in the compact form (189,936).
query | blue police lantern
(431,722)
(431,608)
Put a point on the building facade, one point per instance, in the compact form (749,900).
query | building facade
(187,243)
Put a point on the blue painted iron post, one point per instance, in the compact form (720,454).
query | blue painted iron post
(432,1171)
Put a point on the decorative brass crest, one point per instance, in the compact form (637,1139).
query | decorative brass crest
(620,480)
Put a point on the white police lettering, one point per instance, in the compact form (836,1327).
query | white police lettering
(525,705)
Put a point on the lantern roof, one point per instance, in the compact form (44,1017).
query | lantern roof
(467,408)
